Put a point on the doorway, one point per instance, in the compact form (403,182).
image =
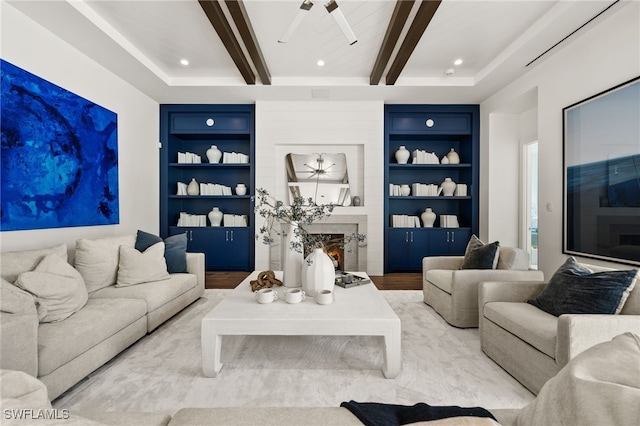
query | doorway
(529,191)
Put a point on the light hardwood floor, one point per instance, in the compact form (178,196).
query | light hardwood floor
(397,281)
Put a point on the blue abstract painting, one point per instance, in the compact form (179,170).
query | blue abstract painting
(59,156)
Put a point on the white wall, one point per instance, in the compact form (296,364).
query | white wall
(27,45)
(600,57)
(325,126)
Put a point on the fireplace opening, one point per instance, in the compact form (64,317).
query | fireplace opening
(333,248)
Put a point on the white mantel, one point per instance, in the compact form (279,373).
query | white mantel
(355,127)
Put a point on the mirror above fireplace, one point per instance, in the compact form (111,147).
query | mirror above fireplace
(321,177)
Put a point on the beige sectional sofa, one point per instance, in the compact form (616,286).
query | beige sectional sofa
(62,353)
(533,345)
(453,292)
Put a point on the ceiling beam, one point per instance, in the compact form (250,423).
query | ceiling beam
(214,12)
(241,19)
(420,22)
(396,24)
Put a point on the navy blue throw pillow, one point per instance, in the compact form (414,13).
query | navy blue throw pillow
(574,289)
(175,249)
(483,257)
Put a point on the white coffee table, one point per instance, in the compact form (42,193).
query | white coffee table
(357,311)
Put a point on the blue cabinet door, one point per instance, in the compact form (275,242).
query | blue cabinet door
(398,249)
(448,241)
(405,249)
(225,248)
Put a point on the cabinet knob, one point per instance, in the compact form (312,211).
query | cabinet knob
(210,122)
(429,122)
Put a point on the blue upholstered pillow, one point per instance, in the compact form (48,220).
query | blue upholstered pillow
(482,257)
(574,289)
(175,249)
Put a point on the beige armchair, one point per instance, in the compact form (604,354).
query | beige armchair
(453,292)
(533,345)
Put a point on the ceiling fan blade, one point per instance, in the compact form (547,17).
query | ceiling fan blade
(338,16)
(305,7)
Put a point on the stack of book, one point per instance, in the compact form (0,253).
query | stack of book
(395,190)
(449,221)
(425,190)
(420,156)
(405,221)
(234,220)
(206,189)
(187,219)
(234,157)
(189,158)
(214,189)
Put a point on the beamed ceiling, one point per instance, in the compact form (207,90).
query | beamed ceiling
(405,50)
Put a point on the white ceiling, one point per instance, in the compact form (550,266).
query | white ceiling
(143,42)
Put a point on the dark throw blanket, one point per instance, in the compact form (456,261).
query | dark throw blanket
(376,414)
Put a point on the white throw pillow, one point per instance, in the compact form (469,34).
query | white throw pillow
(97,260)
(57,288)
(137,268)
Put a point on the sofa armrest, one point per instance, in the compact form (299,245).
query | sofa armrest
(577,333)
(19,343)
(196,266)
(509,291)
(441,262)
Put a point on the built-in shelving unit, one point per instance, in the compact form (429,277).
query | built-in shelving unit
(194,129)
(435,129)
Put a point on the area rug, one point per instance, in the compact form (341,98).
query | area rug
(441,365)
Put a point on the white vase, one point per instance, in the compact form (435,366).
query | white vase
(318,272)
(453,157)
(241,189)
(448,187)
(428,218)
(445,160)
(193,188)
(215,216)
(405,190)
(402,155)
(214,154)
(291,260)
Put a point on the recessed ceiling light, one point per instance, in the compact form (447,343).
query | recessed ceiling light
(457,62)
(320,63)
(184,62)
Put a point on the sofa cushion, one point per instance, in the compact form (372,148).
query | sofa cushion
(574,289)
(485,257)
(16,262)
(99,319)
(175,249)
(136,268)
(528,323)
(57,288)
(155,293)
(14,300)
(97,259)
(513,258)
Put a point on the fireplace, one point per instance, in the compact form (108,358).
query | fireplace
(354,256)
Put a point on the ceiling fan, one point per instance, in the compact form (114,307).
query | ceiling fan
(332,8)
